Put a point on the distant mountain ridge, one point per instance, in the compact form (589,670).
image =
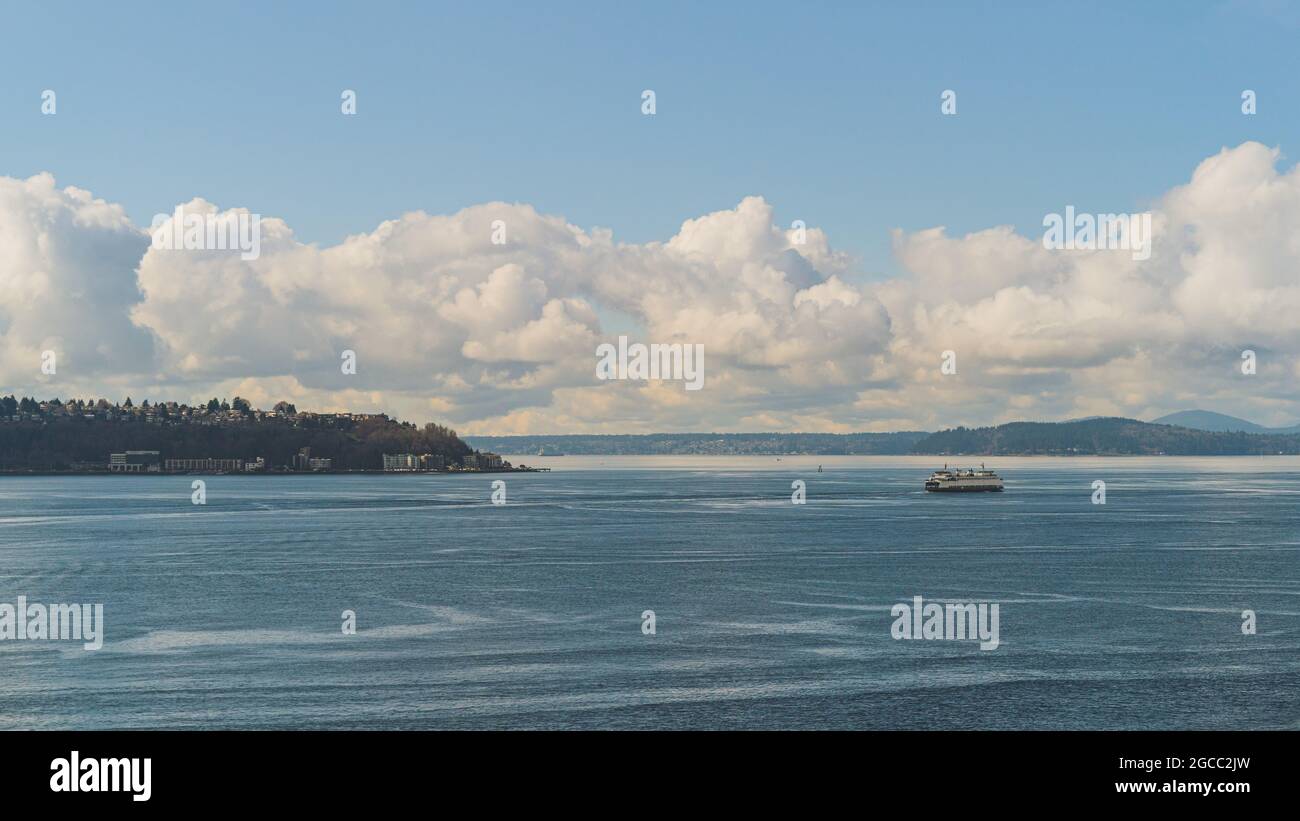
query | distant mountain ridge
(1112,436)
(1219,422)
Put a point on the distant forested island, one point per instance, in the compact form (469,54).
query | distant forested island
(1111,436)
(82,435)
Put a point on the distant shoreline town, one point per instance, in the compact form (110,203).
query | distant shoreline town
(220,437)
(152,462)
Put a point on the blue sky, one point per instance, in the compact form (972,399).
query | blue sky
(829,111)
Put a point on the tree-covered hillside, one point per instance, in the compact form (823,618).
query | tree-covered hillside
(42,440)
(1103,437)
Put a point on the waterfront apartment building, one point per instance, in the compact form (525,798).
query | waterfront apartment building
(303,460)
(134,461)
(402,462)
(484,461)
(208,465)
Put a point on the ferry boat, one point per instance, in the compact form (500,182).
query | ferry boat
(958,480)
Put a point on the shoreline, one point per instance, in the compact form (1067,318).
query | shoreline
(794,461)
(268,473)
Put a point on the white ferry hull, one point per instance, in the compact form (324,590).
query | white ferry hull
(963,487)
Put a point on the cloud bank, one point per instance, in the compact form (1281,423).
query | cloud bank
(501,338)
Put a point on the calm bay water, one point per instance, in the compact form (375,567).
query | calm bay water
(769,615)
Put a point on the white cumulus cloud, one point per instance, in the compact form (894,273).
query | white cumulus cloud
(448,325)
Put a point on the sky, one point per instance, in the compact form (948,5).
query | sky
(669,227)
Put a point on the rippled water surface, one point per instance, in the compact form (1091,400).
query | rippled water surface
(768,614)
